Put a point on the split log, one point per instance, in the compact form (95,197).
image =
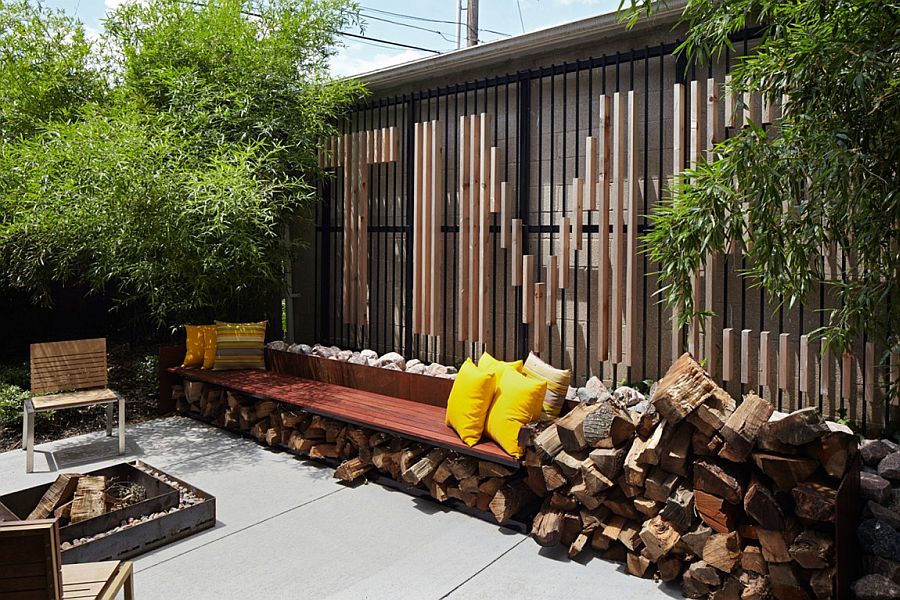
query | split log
(659,485)
(594,480)
(696,540)
(571,528)
(635,473)
(646,422)
(743,426)
(409,456)
(580,492)
(88,501)
(259,429)
(609,461)
(699,579)
(669,568)
(322,451)
(647,507)
(293,419)
(553,477)
(60,492)
(683,388)
(785,471)
(775,545)
(491,469)
(578,546)
(469,485)
(547,528)
(708,419)
(569,463)
(351,469)
(563,502)
(653,447)
(679,509)
(715,511)
(785,582)
(570,428)
(630,535)
(822,583)
(424,467)
(721,479)
(816,501)
(637,564)
(439,490)
(462,467)
(800,427)
(752,560)
(659,537)
(508,501)
(723,551)
(618,504)
(674,458)
(264,408)
(834,451)
(548,442)
(813,550)
(63,511)
(756,587)
(761,506)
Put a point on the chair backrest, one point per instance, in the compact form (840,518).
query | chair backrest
(30,560)
(71,365)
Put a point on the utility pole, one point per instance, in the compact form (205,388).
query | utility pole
(459,10)
(472,23)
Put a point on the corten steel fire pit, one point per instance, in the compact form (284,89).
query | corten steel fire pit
(170,510)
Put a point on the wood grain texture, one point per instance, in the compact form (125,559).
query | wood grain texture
(464,228)
(786,369)
(577,213)
(527,288)
(733,114)
(74,364)
(768,369)
(506,213)
(475,225)
(495,179)
(485,247)
(540,319)
(591,174)
(633,351)
(565,228)
(620,149)
(603,205)
(436,292)
(678,144)
(551,292)
(749,362)
(516,243)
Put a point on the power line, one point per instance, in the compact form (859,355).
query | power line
(521,18)
(440,33)
(427,20)
(372,39)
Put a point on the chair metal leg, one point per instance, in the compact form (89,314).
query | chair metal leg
(121,424)
(109,418)
(29,437)
(24,428)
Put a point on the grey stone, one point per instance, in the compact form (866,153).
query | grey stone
(305,348)
(586,396)
(873,452)
(883,514)
(451,370)
(879,539)
(893,501)
(641,407)
(344,355)
(874,487)
(358,359)
(882,566)
(889,467)
(277,345)
(435,369)
(370,355)
(412,363)
(628,395)
(323,351)
(875,587)
(391,366)
(597,387)
(418,369)
(451,376)
(799,427)
(391,358)
(571,393)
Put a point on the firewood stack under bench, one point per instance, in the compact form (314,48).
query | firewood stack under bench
(731,500)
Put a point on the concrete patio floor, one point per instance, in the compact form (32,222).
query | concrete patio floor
(286,529)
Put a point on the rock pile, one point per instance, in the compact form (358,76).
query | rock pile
(391,360)
(879,531)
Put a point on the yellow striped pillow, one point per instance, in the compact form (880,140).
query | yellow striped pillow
(557,384)
(240,345)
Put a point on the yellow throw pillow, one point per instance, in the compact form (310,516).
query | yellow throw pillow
(209,346)
(193,357)
(469,401)
(518,402)
(558,381)
(240,346)
(489,362)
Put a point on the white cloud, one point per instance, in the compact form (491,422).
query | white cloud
(356,59)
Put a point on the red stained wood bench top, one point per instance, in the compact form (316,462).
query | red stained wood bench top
(405,418)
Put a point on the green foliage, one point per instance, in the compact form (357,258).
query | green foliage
(826,177)
(172,153)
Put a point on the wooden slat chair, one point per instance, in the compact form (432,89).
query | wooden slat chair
(31,568)
(77,368)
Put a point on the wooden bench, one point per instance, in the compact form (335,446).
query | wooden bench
(417,421)
(78,369)
(30,567)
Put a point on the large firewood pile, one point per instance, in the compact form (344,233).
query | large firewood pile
(732,501)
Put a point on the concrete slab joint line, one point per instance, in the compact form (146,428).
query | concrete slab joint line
(484,568)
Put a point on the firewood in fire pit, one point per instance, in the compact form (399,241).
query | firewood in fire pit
(89,498)
(57,494)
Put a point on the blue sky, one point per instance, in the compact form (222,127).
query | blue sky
(358,56)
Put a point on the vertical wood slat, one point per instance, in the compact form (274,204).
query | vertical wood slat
(551,290)
(767,368)
(751,107)
(807,362)
(426,225)
(516,242)
(437,245)
(418,227)
(578,214)
(495,179)
(768,110)
(603,205)
(633,277)
(393,144)
(713,118)
(564,252)
(749,362)
(696,151)
(847,379)
(618,249)
(677,168)
(465,216)
(474,224)
(506,212)
(590,172)
(869,380)
(540,325)
(527,288)
(728,356)
(485,271)
(351,224)
(826,368)
(362,254)
(786,369)
(731,105)
(345,253)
